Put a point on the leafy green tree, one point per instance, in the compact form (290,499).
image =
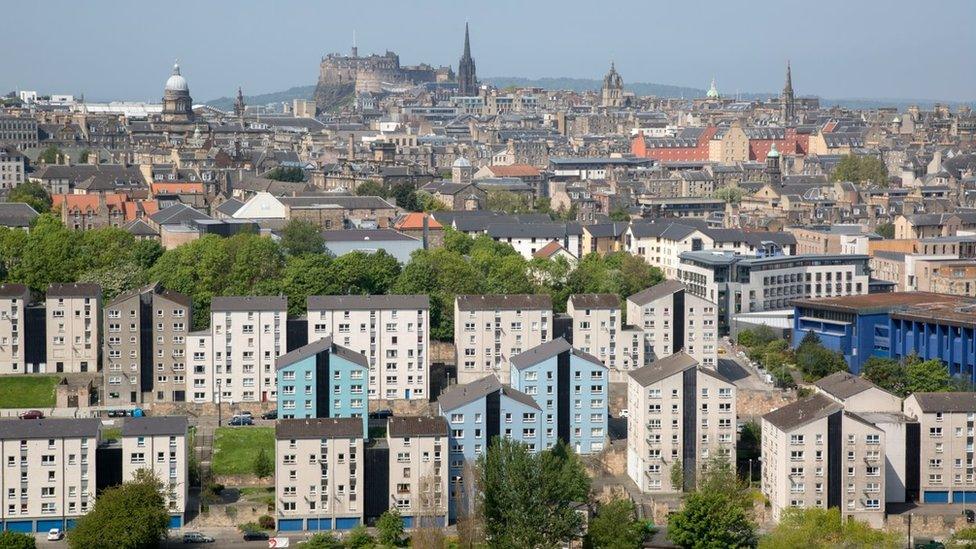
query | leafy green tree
(302,237)
(818,528)
(731,195)
(263,466)
(33,194)
(145,253)
(526,500)
(305,275)
(677,476)
(508,202)
(619,214)
(926,376)
(405,195)
(323,540)
(371,188)
(294,175)
(615,526)
(131,515)
(886,373)
(389,527)
(84,156)
(861,169)
(427,203)
(49,255)
(16,540)
(885,230)
(965,538)
(815,360)
(359,538)
(50,155)
(710,520)
(365,273)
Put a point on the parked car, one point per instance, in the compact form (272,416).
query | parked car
(55,534)
(32,414)
(241,421)
(381,414)
(256,536)
(273,414)
(246,413)
(118,413)
(196,537)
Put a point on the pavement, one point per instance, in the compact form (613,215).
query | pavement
(738,369)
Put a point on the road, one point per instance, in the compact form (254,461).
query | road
(738,370)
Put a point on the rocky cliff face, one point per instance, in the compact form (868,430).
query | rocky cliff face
(329,96)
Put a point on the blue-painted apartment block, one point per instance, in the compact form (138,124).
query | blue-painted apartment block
(321,380)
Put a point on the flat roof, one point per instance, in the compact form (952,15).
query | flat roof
(874,303)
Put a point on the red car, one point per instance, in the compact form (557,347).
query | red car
(32,414)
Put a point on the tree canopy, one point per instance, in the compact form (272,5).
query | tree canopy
(615,526)
(294,175)
(817,528)
(913,375)
(33,194)
(302,237)
(861,169)
(132,515)
(717,513)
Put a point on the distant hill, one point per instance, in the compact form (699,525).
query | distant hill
(298,92)
(589,84)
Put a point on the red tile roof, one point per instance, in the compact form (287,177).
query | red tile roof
(415,221)
(514,170)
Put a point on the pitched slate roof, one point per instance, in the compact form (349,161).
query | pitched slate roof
(346,427)
(801,412)
(459,395)
(946,402)
(548,350)
(663,368)
(366,302)
(416,426)
(74,289)
(490,302)
(154,425)
(319,346)
(595,301)
(49,428)
(655,292)
(16,214)
(12,290)
(844,385)
(220,304)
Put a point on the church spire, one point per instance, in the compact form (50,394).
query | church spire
(239,106)
(787,100)
(466,77)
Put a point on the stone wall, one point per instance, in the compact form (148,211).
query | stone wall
(442,351)
(931,526)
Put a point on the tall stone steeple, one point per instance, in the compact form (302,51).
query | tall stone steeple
(787,101)
(466,78)
(239,106)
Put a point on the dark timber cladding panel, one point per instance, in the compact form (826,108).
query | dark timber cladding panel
(679,321)
(562,389)
(492,415)
(323,373)
(833,450)
(689,437)
(377,470)
(912,476)
(146,339)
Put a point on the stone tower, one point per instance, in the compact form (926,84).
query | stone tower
(177,103)
(613,89)
(466,77)
(462,171)
(772,169)
(239,106)
(787,101)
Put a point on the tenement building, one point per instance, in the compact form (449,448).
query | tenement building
(392,331)
(14,299)
(159,445)
(490,329)
(944,449)
(598,329)
(418,469)
(319,468)
(249,333)
(73,321)
(672,319)
(816,454)
(145,346)
(681,416)
(48,476)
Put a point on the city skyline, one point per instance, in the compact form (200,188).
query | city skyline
(833,56)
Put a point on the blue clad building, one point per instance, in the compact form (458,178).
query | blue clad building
(861,326)
(943,330)
(570,387)
(322,380)
(476,413)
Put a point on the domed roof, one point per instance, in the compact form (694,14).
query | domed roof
(712,91)
(773,153)
(176,81)
(461,162)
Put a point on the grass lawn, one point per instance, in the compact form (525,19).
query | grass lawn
(236,447)
(30,391)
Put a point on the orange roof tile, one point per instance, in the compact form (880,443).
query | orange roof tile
(548,250)
(88,201)
(415,221)
(176,188)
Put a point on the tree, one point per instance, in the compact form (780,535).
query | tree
(50,155)
(323,540)
(886,373)
(427,203)
(263,466)
(817,528)
(305,275)
(861,169)
(359,537)
(131,515)
(371,188)
(615,526)
(302,237)
(389,527)
(710,520)
(16,540)
(526,499)
(926,376)
(965,538)
(33,194)
(294,175)
(619,214)
(84,156)
(731,195)
(677,476)
(815,360)
(508,202)
(885,230)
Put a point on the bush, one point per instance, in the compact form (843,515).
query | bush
(16,540)
(266,522)
(249,527)
(390,527)
(359,537)
(263,466)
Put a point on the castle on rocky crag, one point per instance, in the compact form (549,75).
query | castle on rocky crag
(343,76)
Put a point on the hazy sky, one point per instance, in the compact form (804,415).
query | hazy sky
(839,48)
